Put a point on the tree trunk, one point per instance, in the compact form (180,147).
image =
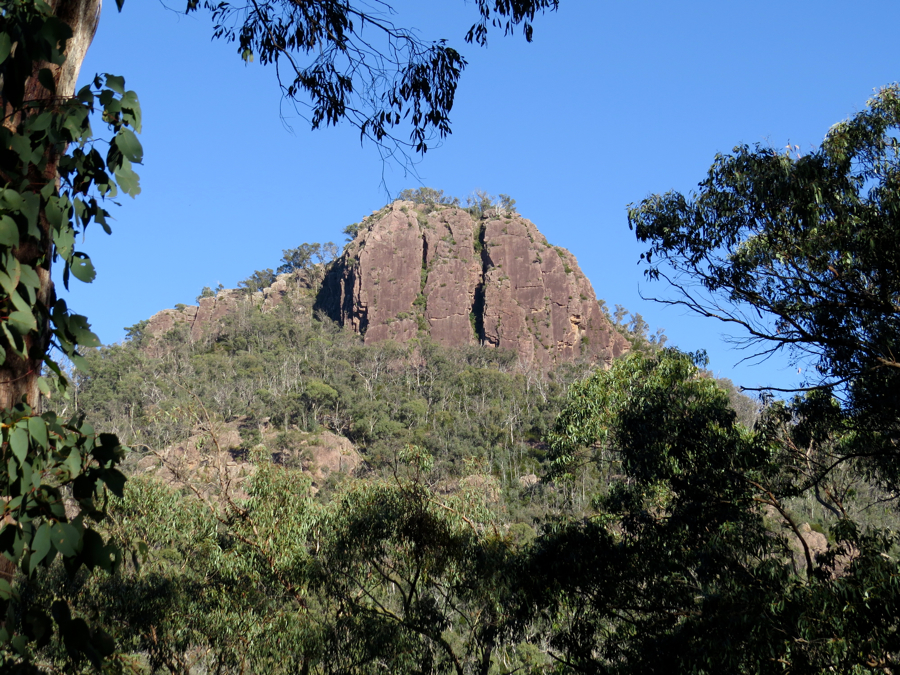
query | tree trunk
(18,376)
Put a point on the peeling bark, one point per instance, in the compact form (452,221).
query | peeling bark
(18,376)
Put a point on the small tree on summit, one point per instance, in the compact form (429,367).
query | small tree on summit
(301,258)
(427,195)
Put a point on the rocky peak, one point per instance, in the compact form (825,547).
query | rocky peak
(438,270)
(494,280)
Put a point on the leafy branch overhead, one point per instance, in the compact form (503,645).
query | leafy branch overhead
(350,61)
(800,252)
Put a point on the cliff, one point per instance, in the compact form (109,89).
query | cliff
(462,279)
(438,270)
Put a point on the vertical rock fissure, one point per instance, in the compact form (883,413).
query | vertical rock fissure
(424,272)
(477,313)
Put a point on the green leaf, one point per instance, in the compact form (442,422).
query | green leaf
(131,110)
(45,77)
(19,302)
(12,199)
(14,338)
(21,145)
(29,277)
(42,383)
(37,429)
(80,329)
(79,362)
(82,268)
(56,214)
(65,241)
(18,442)
(20,644)
(23,322)
(129,146)
(5,46)
(40,547)
(86,96)
(73,463)
(65,538)
(116,83)
(31,207)
(96,552)
(40,122)
(128,180)
(9,231)
(12,268)
(115,481)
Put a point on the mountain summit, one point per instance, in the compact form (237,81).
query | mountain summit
(466,277)
(461,276)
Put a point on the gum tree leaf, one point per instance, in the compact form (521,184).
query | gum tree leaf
(40,547)
(65,538)
(5,46)
(82,268)
(116,83)
(37,429)
(9,231)
(128,180)
(23,322)
(18,442)
(129,146)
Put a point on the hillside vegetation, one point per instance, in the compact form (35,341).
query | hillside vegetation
(439,550)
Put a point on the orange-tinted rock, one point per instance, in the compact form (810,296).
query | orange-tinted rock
(438,271)
(204,317)
(463,281)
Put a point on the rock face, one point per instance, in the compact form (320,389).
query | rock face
(203,318)
(463,280)
(416,269)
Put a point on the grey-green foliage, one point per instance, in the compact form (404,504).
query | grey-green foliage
(389,574)
(634,328)
(257,281)
(348,64)
(695,542)
(428,196)
(305,256)
(285,369)
(799,251)
(351,231)
(207,292)
(56,178)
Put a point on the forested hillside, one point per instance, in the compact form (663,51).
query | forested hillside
(249,556)
(277,489)
(280,374)
(465,531)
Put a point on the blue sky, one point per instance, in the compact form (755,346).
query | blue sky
(611,102)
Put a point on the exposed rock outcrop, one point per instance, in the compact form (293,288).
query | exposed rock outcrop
(213,459)
(464,280)
(206,315)
(436,270)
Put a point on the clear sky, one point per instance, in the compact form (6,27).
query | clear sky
(611,102)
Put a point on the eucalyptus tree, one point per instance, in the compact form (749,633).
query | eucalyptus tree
(693,559)
(800,252)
